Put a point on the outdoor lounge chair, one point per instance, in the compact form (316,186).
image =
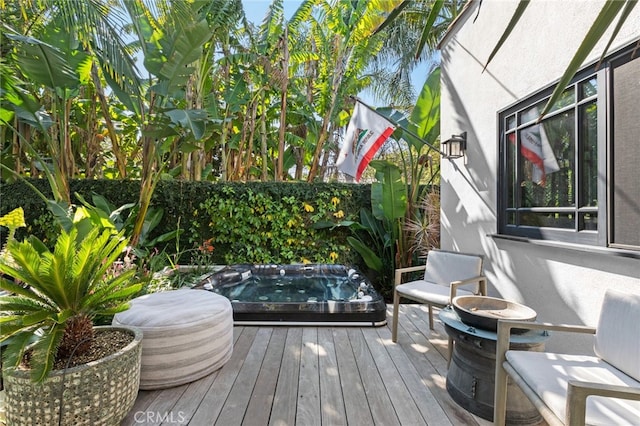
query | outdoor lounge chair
(578,389)
(444,274)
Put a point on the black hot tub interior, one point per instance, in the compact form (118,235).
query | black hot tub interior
(298,294)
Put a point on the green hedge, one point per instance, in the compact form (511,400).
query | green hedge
(245,222)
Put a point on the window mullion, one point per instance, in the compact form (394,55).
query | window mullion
(577,156)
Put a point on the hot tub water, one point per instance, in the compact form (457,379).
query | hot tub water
(291,294)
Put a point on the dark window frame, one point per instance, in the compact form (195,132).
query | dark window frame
(605,162)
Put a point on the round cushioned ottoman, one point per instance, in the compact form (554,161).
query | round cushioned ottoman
(187,334)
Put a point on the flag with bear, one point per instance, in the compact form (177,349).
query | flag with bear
(366,133)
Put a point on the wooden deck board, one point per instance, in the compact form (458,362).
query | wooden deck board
(399,395)
(380,404)
(355,399)
(285,400)
(426,403)
(319,376)
(431,366)
(236,403)
(211,406)
(308,412)
(331,399)
(259,409)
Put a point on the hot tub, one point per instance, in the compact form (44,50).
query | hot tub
(298,295)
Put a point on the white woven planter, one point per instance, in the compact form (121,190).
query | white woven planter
(97,393)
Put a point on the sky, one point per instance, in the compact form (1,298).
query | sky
(256,9)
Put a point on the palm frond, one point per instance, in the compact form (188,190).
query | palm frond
(19,305)
(44,353)
(99,26)
(605,18)
(392,16)
(626,11)
(272,23)
(14,353)
(429,25)
(520,9)
(301,16)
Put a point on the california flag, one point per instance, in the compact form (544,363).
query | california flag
(535,147)
(366,133)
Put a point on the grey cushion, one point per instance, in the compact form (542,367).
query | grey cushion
(548,375)
(445,267)
(425,291)
(187,334)
(618,334)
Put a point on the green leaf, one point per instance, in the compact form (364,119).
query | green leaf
(628,7)
(131,101)
(425,117)
(35,318)
(606,16)
(370,223)
(369,256)
(393,15)
(43,63)
(180,52)
(123,293)
(193,120)
(522,6)
(44,353)
(428,26)
(389,193)
(14,352)
(61,210)
(30,111)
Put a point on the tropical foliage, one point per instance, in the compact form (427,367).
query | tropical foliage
(55,294)
(190,90)
(175,89)
(182,89)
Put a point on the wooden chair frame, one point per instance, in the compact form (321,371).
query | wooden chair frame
(577,392)
(481,280)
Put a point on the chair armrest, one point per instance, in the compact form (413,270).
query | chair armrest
(507,325)
(578,392)
(400,271)
(480,279)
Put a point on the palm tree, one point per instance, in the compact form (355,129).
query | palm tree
(171,38)
(412,32)
(60,49)
(341,35)
(421,23)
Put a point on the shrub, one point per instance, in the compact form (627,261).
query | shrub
(246,226)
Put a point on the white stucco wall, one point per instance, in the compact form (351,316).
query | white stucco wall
(561,285)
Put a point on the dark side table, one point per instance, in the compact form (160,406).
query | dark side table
(471,375)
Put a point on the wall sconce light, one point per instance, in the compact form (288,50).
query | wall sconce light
(456,146)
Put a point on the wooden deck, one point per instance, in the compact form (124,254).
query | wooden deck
(319,376)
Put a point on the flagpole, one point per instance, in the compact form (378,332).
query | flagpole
(397,125)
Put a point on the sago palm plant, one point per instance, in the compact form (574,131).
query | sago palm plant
(54,295)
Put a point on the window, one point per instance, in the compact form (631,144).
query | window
(565,178)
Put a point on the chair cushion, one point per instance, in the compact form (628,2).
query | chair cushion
(187,334)
(548,375)
(445,267)
(424,291)
(617,334)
